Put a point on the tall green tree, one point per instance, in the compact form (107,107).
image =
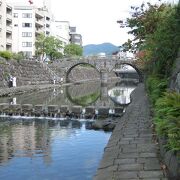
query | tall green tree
(40,46)
(143,22)
(53,46)
(156,32)
(49,45)
(73,50)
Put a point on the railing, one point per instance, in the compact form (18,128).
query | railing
(54,76)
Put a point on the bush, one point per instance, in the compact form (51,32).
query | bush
(155,87)
(6,54)
(167,119)
(18,56)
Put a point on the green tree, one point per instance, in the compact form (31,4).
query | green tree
(49,45)
(40,46)
(73,50)
(156,31)
(53,47)
(143,22)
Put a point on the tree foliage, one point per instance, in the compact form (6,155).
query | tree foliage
(156,31)
(73,50)
(49,45)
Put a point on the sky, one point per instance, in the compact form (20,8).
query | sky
(95,20)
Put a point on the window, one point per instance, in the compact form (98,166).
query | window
(15,15)
(27,15)
(26,34)
(26,24)
(27,54)
(26,44)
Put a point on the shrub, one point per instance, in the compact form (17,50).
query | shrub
(167,119)
(18,56)
(155,87)
(6,54)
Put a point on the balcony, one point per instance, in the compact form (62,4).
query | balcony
(39,23)
(39,30)
(9,41)
(9,17)
(39,15)
(9,10)
(9,47)
(9,29)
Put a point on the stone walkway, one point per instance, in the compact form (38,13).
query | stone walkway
(131,152)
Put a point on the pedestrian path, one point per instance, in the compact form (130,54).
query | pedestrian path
(132,152)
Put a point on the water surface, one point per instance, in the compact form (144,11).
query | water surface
(48,149)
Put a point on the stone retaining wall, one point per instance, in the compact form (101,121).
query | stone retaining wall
(175,77)
(26,73)
(172,159)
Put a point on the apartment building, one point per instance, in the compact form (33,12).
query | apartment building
(61,30)
(5,26)
(28,23)
(75,38)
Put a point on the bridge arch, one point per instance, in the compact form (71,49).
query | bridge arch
(79,63)
(133,66)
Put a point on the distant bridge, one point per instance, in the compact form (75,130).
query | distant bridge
(103,65)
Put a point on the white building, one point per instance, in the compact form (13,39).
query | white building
(61,30)
(5,26)
(28,23)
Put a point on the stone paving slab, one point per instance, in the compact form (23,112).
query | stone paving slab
(131,152)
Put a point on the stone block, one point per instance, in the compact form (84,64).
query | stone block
(4,107)
(26,109)
(76,110)
(151,174)
(64,109)
(52,108)
(118,110)
(14,108)
(103,111)
(38,110)
(90,110)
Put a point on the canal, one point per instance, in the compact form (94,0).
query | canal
(34,148)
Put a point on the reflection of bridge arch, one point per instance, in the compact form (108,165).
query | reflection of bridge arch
(77,64)
(121,95)
(79,101)
(133,66)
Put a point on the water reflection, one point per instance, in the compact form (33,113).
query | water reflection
(83,94)
(121,94)
(40,149)
(90,94)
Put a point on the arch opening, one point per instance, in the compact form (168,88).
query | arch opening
(127,71)
(81,72)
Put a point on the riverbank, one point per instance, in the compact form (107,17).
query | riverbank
(132,151)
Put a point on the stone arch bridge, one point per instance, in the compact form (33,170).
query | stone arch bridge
(103,65)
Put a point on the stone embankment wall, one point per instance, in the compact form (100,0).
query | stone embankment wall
(171,159)
(26,73)
(175,78)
